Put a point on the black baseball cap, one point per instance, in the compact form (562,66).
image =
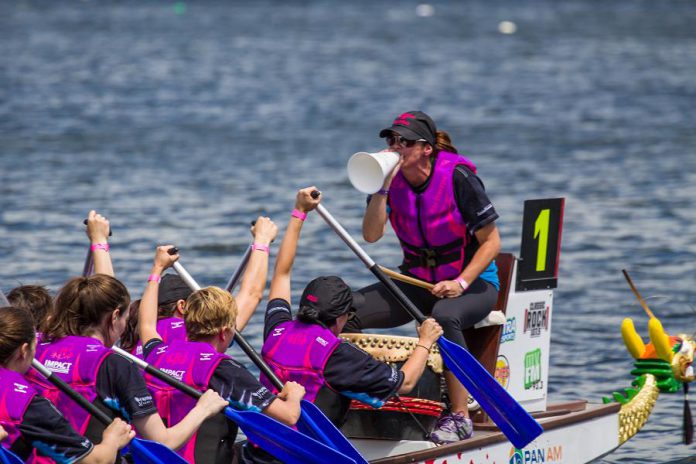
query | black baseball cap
(172,288)
(331,297)
(413,125)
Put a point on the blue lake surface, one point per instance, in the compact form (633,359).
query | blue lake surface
(183,121)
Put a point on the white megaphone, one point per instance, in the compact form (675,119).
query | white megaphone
(367,171)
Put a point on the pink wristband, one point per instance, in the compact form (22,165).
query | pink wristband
(299,214)
(462,282)
(154,278)
(258,246)
(99,246)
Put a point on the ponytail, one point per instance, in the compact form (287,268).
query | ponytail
(16,329)
(444,142)
(130,338)
(308,315)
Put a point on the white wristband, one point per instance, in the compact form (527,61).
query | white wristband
(462,282)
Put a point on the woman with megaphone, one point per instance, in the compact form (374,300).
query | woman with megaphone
(445,224)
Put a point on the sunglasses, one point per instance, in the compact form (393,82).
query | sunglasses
(401,140)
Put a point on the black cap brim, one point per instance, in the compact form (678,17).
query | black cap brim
(405,132)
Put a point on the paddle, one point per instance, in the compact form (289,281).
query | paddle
(407,279)
(7,456)
(238,272)
(278,439)
(512,419)
(312,421)
(143,451)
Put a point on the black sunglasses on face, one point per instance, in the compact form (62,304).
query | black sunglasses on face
(401,140)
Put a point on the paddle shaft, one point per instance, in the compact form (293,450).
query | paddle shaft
(238,338)
(238,272)
(63,386)
(635,292)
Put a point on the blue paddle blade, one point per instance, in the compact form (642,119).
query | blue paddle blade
(8,457)
(284,443)
(315,424)
(512,419)
(151,452)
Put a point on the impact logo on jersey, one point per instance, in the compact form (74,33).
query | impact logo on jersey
(58,367)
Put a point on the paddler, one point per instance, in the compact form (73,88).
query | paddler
(445,223)
(30,420)
(211,317)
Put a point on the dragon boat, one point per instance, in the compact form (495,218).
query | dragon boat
(512,343)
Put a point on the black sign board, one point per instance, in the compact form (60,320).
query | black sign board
(542,223)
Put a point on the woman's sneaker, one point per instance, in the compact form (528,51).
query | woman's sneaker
(452,427)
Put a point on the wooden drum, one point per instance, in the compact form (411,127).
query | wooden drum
(397,419)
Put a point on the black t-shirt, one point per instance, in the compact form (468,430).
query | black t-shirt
(349,370)
(43,427)
(231,380)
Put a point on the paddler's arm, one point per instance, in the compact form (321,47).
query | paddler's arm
(280,285)
(98,233)
(254,281)
(286,407)
(147,316)
(375,219)
(413,368)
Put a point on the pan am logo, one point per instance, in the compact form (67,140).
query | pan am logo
(502,371)
(536,455)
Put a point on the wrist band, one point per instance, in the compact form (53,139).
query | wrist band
(423,346)
(462,282)
(382,191)
(99,246)
(154,278)
(260,247)
(299,214)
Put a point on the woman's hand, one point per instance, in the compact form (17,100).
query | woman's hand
(119,433)
(392,174)
(304,201)
(264,230)
(97,227)
(447,289)
(211,403)
(292,391)
(163,260)
(429,332)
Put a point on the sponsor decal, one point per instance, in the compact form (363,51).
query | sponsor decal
(93,348)
(278,331)
(536,455)
(177,324)
(206,356)
(178,375)
(532,370)
(536,317)
(19,388)
(502,371)
(509,330)
(143,400)
(161,349)
(321,341)
(58,366)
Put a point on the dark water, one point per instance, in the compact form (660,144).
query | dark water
(183,121)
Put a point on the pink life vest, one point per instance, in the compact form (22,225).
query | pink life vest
(169,329)
(15,395)
(190,362)
(297,351)
(430,228)
(76,360)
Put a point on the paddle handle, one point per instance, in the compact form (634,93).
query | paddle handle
(635,292)
(238,339)
(404,278)
(63,386)
(370,264)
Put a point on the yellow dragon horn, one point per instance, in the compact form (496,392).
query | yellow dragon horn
(631,339)
(660,340)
